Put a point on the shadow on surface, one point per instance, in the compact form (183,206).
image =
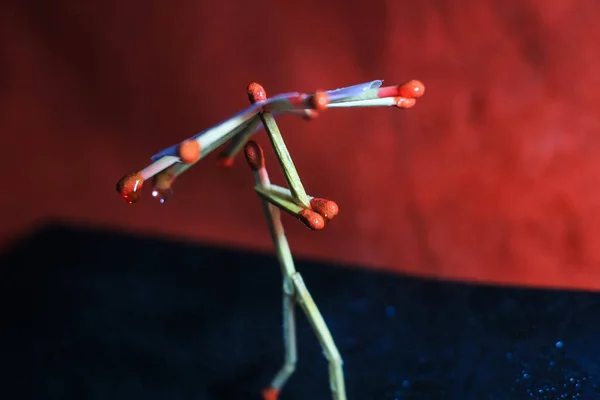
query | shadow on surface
(100,315)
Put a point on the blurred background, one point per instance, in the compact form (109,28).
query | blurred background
(492,178)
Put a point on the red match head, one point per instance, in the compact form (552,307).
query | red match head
(320,101)
(224,160)
(130,187)
(256,92)
(254,155)
(403,102)
(311,219)
(326,208)
(270,394)
(189,151)
(412,89)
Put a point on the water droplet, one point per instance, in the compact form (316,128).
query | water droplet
(162,194)
(559,345)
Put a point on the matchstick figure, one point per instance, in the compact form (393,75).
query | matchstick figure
(314,212)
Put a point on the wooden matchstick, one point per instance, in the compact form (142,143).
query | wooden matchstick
(310,218)
(294,291)
(411,90)
(236,144)
(130,186)
(400,102)
(257,93)
(328,209)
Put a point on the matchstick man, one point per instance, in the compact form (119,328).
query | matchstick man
(314,212)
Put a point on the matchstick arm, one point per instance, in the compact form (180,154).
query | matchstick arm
(261,114)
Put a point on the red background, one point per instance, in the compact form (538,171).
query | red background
(493,176)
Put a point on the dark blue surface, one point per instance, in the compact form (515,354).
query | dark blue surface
(97,315)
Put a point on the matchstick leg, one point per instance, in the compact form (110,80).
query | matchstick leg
(336,373)
(289,342)
(294,292)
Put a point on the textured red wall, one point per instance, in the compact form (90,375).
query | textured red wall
(493,176)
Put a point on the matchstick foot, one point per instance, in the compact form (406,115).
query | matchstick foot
(311,219)
(270,394)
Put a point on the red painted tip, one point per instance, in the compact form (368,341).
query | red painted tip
(270,394)
(311,219)
(189,151)
(225,161)
(309,115)
(320,101)
(254,155)
(256,92)
(130,187)
(412,89)
(326,208)
(403,102)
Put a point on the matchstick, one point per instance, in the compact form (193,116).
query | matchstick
(330,350)
(310,218)
(411,90)
(400,102)
(257,93)
(200,145)
(130,186)
(294,291)
(227,157)
(328,209)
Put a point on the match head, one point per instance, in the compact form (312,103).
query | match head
(412,89)
(224,160)
(254,155)
(130,187)
(256,92)
(403,102)
(189,151)
(309,115)
(326,208)
(311,219)
(270,394)
(320,101)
